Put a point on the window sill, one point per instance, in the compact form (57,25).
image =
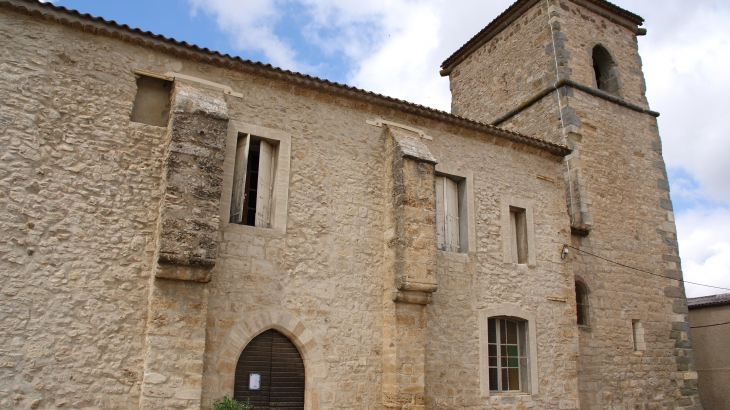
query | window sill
(252,230)
(508,394)
(453,256)
(585,328)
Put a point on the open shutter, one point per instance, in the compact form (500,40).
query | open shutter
(513,240)
(451,199)
(440,214)
(265,182)
(239,179)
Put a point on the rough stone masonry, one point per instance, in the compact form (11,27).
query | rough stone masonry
(124,286)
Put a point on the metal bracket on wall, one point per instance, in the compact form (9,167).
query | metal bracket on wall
(379,122)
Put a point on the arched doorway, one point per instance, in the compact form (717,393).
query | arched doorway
(270,373)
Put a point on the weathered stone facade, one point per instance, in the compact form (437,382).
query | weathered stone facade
(125,285)
(618,193)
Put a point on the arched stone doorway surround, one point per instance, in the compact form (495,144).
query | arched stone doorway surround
(220,371)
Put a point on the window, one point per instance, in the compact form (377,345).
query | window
(605,70)
(455,218)
(152,102)
(518,231)
(637,335)
(256,178)
(253,180)
(518,224)
(447,214)
(507,351)
(507,355)
(581,304)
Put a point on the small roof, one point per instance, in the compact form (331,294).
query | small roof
(518,8)
(714,300)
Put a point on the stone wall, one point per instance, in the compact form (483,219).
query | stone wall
(521,64)
(711,350)
(584,30)
(81,188)
(480,280)
(642,236)
(86,323)
(620,200)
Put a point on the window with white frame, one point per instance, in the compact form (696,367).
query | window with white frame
(253,181)
(507,351)
(507,347)
(447,214)
(518,230)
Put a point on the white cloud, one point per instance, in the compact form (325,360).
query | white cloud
(705,249)
(686,60)
(250,24)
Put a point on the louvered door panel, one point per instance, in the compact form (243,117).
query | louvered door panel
(256,358)
(278,361)
(287,375)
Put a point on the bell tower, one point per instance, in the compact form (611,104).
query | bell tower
(569,71)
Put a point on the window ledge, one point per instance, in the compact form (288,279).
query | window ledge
(508,394)
(585,328)
(252,230)
(453,256)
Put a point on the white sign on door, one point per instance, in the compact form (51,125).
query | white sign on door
(254,381)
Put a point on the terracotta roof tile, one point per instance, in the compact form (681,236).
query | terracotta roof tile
(714,300)
(182,49)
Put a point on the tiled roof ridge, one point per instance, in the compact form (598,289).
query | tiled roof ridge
(515,10)
(722,299)
(159,42)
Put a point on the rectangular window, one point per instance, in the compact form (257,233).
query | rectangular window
(447,214)
(152,102)
(507,352)
(518,225)
(253,179)
(637,335)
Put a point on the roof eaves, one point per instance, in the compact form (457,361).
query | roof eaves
(161,43)
(517,9)
(704,301)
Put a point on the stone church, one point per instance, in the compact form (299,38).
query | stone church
(177,225)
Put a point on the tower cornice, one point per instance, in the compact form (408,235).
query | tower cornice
(603,8)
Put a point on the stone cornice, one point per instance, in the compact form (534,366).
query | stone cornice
(184,50)
(603,8)
(578,86)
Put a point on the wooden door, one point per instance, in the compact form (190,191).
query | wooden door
(278,362)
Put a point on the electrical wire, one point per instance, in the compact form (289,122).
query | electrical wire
(641,270)
(716,324)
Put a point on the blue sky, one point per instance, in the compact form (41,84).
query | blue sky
(395,47)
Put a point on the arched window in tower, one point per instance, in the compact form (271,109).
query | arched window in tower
(581,303)
(605,70)
(270,373)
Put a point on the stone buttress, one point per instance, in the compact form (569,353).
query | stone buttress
(186,249)
(410,235)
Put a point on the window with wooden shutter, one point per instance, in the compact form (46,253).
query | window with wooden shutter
(265,182)
(518,225)
(239,179)
(253,181)
(447,214)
